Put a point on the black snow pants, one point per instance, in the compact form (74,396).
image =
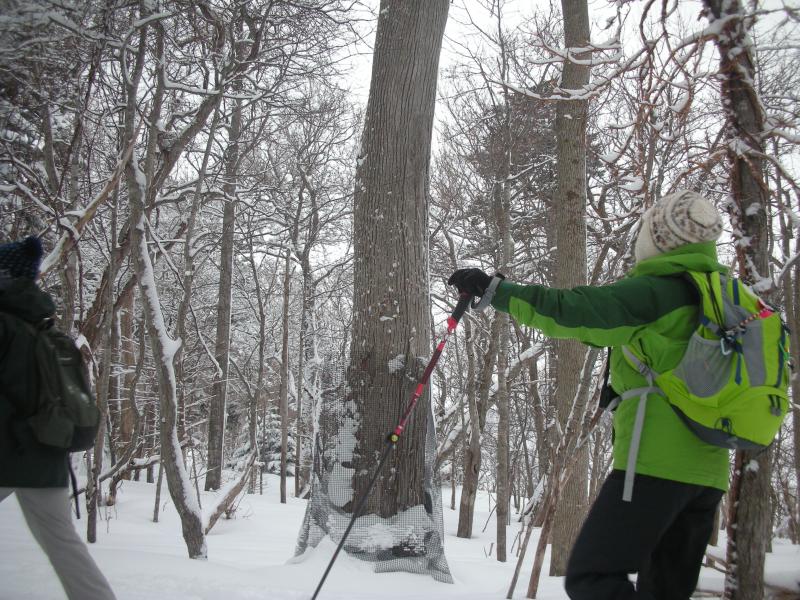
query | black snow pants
(661,535)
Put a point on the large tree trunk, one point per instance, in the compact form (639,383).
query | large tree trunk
(217,410)
(570,261)
(391,298)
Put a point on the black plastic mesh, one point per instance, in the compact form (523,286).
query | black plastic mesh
(411,541)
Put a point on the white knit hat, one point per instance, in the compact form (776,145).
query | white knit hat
(684,217)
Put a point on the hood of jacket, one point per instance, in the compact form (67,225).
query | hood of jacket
(22,298)
(691,257)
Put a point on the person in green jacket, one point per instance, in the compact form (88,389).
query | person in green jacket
(35,473)
(657,523)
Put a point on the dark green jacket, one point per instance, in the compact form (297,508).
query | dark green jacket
(23,461)
(654,310)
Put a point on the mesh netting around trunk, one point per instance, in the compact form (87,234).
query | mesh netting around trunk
(411,540)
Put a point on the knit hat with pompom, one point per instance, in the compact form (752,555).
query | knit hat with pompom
(684,217)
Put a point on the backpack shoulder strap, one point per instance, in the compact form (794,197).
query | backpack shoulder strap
(32,328)
(710,287)
(639,364)
(638,424)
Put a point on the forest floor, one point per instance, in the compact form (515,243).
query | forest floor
(247,557)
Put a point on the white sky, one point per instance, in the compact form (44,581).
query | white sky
(459,30)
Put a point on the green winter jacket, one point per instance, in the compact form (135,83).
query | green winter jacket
(23,461)
(654,310)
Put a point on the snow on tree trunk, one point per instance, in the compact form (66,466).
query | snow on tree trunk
(163,347)
(750,522)
(401,528)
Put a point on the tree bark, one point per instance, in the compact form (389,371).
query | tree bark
(391,297)
(570,258)
(749,525)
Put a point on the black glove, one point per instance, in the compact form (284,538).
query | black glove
(470,281)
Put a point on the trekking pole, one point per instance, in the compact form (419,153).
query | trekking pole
(394,437)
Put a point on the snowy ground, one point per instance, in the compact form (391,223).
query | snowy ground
(247,558)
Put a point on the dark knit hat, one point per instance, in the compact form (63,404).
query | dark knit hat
(21,259)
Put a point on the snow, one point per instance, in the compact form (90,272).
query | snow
(609,157)
(397,363)
(148,284)
(633,184)
(54,256)
(753,210)
(372,536)
(249,557)
(681,104)
(340,490)
(340,494)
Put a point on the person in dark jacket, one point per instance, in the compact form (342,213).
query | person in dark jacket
(37,474)
(655,512)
